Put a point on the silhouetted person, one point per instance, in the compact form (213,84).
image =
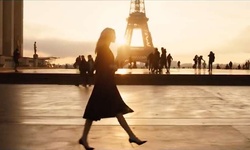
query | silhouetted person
(239,67)
(200,59)
(91,69)
(77,62)
(134,64)
(179,64)
(248,64)
(230,65)
(218,66)
(204,64)
(169,60)
(156,61)
(105,100)
(245,66)
(150,60)
(195,59)
(163,59)
(16,56)
(83,68)
(130,62)
(210,61)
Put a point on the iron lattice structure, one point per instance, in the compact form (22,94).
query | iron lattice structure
(137,20)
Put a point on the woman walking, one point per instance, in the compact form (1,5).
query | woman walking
(105,100)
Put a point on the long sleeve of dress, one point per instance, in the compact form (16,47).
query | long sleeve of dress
(103,64)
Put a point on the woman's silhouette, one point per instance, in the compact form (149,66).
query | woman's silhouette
(105,100)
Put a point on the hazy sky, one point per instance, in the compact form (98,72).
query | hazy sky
(185,28)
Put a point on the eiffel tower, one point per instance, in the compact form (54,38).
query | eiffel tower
(137,20)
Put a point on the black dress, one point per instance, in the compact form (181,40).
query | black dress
(105,100)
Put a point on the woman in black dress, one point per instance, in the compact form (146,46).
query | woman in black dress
(105,100)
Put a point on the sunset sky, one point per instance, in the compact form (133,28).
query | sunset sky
(67,29)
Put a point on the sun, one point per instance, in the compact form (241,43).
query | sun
(136,40)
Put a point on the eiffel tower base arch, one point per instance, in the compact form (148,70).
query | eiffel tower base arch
(138,54)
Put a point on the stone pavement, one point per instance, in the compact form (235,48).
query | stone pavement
(49,117)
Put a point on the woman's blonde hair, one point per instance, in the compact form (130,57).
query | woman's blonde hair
(105,38)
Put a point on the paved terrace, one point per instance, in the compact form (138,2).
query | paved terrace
(48,117)
(41,114)
(130,77)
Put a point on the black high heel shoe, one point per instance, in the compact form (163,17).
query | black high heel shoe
(87,148)
(137,142)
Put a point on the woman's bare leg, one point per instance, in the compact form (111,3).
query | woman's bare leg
(85,133)
(125,126)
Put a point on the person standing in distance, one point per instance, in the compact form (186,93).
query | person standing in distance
(105,100)
(16,56)
(210,61)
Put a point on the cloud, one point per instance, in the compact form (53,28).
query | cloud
(239,44)
(60,47)
(237,48)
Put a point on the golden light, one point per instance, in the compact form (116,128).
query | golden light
(120,40)
(136,39)
(122,71)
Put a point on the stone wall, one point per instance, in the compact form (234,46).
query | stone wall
(11,27)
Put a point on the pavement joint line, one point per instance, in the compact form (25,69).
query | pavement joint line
(147,122)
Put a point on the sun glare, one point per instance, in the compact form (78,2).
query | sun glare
(137,38)
(120,40)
